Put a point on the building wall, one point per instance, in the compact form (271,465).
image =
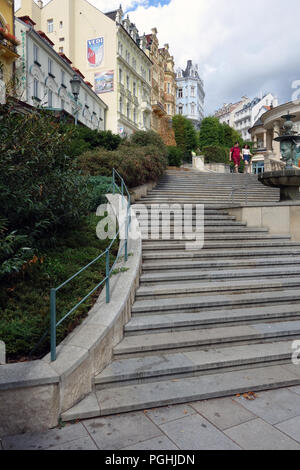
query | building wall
(7,48)
(190,94)
(91,108)
(81,22)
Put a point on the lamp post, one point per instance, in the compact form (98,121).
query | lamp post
(75,86)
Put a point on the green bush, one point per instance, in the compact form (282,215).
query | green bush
(141,158)
(98,187)
(41,192)
(215,154)
(185,136)
(175,156)
(84,139)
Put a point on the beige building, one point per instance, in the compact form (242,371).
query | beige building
(265,130)
(108,51)
(226,114)
(163,94)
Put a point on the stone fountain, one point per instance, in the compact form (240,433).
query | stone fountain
(288,179)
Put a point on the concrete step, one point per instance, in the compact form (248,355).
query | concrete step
(192,304)
(144,324)
(231,254)
(170,392)
(178,276)
(205,287)
(208,337)
(123,371)
(181,265)
(231,236)
(153,245)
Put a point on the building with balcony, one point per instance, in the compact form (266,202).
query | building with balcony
(107,49)
(227,112)
(45,79)
(250,112)
(190,94)
(163,93)
(265,130)
(8,43)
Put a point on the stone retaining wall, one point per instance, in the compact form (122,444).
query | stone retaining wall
(34,394)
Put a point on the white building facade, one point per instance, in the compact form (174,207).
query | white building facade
(250,112)
(190,94)
(44,79)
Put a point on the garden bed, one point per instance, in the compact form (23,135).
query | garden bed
(25,300)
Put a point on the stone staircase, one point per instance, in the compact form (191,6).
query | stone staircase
(206,323)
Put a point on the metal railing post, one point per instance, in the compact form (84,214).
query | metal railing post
(122,186)
(107,277)
(53,323)
(114,181)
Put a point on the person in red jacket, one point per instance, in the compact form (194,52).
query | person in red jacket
(235,156)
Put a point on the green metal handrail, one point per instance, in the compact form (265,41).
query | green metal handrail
(108,271)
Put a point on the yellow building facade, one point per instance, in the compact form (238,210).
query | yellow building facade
(107,49)
(8,44)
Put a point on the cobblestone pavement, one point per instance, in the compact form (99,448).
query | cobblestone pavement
(270,421)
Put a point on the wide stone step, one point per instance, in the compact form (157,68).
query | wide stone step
(206,337)
(225,236)
(175,276)
(170,392)
(190,362)
(144,224)
(140,324)
(232,286)
(178,245)
(232,254)
(158,265)
(212,302)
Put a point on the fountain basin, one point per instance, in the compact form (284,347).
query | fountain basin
(288,180)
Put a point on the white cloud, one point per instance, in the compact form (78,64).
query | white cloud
(242,47)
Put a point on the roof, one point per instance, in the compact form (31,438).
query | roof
(44,36)
(112,14)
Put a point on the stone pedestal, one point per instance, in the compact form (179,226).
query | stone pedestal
(287,180)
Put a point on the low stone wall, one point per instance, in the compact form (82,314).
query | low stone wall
(34,394)
(279,219)
(200,165)
(141,191)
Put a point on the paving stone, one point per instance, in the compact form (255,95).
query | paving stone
(196,433)
(291,427)
(223,412)
(273,406)
(86,443)
(51,438)
(158,443)
(295,390)
(116,432)
(259,435)
(169,413)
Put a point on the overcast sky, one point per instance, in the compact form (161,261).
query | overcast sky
(242,47)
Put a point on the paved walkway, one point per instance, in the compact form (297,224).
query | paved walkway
(270,421)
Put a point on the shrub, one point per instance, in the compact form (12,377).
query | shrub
(98,187)
(41,192)
(175,156)
(216,154)
(84,139)
(143,139)
(137,165)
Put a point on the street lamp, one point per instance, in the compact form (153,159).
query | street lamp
(75,86)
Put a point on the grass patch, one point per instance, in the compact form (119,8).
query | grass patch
(25,301)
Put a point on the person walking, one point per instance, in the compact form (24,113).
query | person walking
(247,155)
(235,156)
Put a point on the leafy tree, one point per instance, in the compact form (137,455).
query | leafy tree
(210,133)
(185,135)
